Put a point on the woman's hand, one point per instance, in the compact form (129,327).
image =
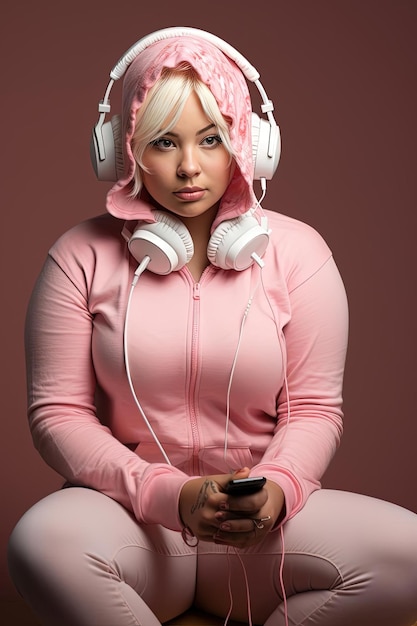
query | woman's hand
(240,521)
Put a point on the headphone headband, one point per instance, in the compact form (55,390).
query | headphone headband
(167,33)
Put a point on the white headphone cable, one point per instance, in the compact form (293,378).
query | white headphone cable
(140,269)
(258,261)
(281,339)
(258,205)
(232,371)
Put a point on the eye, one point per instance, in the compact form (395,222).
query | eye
(212,141)
(163,143)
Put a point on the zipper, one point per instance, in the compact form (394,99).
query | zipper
(192,398)
(194,365)
(196,291)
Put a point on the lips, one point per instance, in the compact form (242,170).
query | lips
(190,194)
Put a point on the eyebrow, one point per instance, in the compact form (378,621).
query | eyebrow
(199,132)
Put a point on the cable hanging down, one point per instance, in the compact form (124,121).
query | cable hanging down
(140,269)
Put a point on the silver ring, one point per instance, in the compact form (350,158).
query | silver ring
(258,522)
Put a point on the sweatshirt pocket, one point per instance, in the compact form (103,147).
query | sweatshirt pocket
(214,459)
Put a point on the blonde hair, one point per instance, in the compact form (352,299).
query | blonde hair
(163,107)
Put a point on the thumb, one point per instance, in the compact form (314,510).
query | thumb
(241,473)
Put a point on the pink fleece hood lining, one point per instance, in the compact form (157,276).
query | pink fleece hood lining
(228,86)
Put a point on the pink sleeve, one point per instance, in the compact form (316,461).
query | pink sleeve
(62,417)
(310,416)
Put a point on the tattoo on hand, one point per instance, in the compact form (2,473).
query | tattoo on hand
(204,494)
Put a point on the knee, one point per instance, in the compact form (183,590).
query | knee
(40,541)
(397,548)
(26,548)
(390,563)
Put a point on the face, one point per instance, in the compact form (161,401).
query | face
(189,169)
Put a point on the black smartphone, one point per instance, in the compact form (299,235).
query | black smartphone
(245,486)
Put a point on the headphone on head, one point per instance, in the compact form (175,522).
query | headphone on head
(167,242)
(106,140)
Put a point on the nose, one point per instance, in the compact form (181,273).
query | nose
(189,164)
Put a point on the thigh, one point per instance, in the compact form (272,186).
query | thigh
(348,559)
(78,548)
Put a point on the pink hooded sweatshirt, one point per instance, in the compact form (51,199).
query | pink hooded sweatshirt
(218,394)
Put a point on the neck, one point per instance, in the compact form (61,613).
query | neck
(200,230)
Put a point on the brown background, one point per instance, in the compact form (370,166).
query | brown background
(342,76)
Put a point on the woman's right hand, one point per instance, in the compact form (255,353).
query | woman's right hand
(204,507)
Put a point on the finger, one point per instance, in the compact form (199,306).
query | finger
(246,504)
(243,533)
(237,526)
(223,516)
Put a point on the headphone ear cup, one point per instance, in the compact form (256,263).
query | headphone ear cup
(266,147)
(234,241)
(110,135)
(167,242)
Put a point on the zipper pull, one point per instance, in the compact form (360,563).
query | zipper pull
(196,291)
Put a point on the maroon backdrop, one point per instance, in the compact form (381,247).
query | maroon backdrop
(342,77)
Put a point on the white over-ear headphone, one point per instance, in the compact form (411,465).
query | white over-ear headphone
(105,149)
(234,244)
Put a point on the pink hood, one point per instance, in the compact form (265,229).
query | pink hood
(228,86)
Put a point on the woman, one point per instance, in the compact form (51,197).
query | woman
(179,342)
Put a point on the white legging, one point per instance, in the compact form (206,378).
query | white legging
(80,559)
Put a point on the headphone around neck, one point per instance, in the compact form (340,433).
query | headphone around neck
(105,149)
(234,245)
